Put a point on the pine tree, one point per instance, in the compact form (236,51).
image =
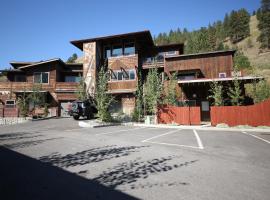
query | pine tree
(226,25)
(263,15)
(216,90)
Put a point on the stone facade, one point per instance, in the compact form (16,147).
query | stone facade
(89,66)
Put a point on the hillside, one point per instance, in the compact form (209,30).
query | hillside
(250,47)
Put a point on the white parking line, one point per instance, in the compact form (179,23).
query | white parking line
(255,136)
(198,139)
(200,146)
(157,136)
(131,129)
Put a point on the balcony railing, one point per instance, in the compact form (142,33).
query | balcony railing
(72,86)
(151,62)
(122,85)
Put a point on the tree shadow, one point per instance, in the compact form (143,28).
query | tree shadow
(132,171)
(25,144)
(17,136)
(25,178)
(89,156)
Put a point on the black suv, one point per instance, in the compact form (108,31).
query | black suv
(85,108)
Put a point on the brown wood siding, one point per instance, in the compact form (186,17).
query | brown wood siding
(122,85)
(129,61)
(210,65)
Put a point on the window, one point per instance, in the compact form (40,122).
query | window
(73,79)
(186,76)
(41,77)
(119,76)
(170,53)
(129,49)
(107,52)
(20,78)
(222,75)
(113,76)
(131,74)
(10,103)
(117,51)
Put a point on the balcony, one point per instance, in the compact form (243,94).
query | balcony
(122,86)
(152,62)
(66,86)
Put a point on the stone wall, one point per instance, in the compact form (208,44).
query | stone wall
(89,66)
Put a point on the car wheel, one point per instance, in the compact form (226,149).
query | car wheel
(76,117)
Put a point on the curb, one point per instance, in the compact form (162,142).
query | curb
(33,120)
(203,128)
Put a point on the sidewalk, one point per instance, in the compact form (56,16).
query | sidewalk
(204,127)
(96,124)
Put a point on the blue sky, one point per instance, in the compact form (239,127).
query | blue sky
(33,30)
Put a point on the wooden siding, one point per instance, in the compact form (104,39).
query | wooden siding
(118,85)
(129,61)
(210,65)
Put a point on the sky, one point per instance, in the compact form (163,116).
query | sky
(34,30)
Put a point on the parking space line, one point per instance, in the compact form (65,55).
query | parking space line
(255,136)
(198,139)
(157,136)
(170,144)
(131,129)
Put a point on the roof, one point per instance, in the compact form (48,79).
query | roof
(17,64)
(204,53)
(42,62)
(10,70)
(204,80)
(141,35)
(31,64)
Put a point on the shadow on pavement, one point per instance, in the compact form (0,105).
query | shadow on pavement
(22,177)
(89,156)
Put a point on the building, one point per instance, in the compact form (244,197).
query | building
(127,53)
(58,80)
(124,55)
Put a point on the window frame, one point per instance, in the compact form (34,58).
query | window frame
(222,75)
(112,48)
(41,77)
(124,47)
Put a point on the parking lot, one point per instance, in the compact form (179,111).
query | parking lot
(57,158)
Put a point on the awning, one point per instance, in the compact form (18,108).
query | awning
(121,91)
(247,79)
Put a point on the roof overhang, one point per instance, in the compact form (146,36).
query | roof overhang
(139,36)
(246,79)
(231,52)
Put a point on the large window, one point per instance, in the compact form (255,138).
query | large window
(122,76)
(41,77)
(117,50)
(107,52)
(20,78)
(129,49)
(75,79)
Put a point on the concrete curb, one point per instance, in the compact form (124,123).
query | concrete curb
(40,119)
(202,128)
(86,124)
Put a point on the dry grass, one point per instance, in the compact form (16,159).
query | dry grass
(251,48)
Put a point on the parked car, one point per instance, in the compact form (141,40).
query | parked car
(85,109)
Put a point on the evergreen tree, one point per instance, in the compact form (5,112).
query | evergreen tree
(226,25)
(170,97)
(216,90)
(72,58)
(152,90)
(103,99)
(241,61)
(263,15)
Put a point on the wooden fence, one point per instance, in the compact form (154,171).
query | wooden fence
(254,115)
(179,115)
(9,112)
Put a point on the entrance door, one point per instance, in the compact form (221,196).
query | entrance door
(205,111)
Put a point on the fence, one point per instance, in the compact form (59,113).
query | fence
(179,115)
(254,115)
(9,112)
